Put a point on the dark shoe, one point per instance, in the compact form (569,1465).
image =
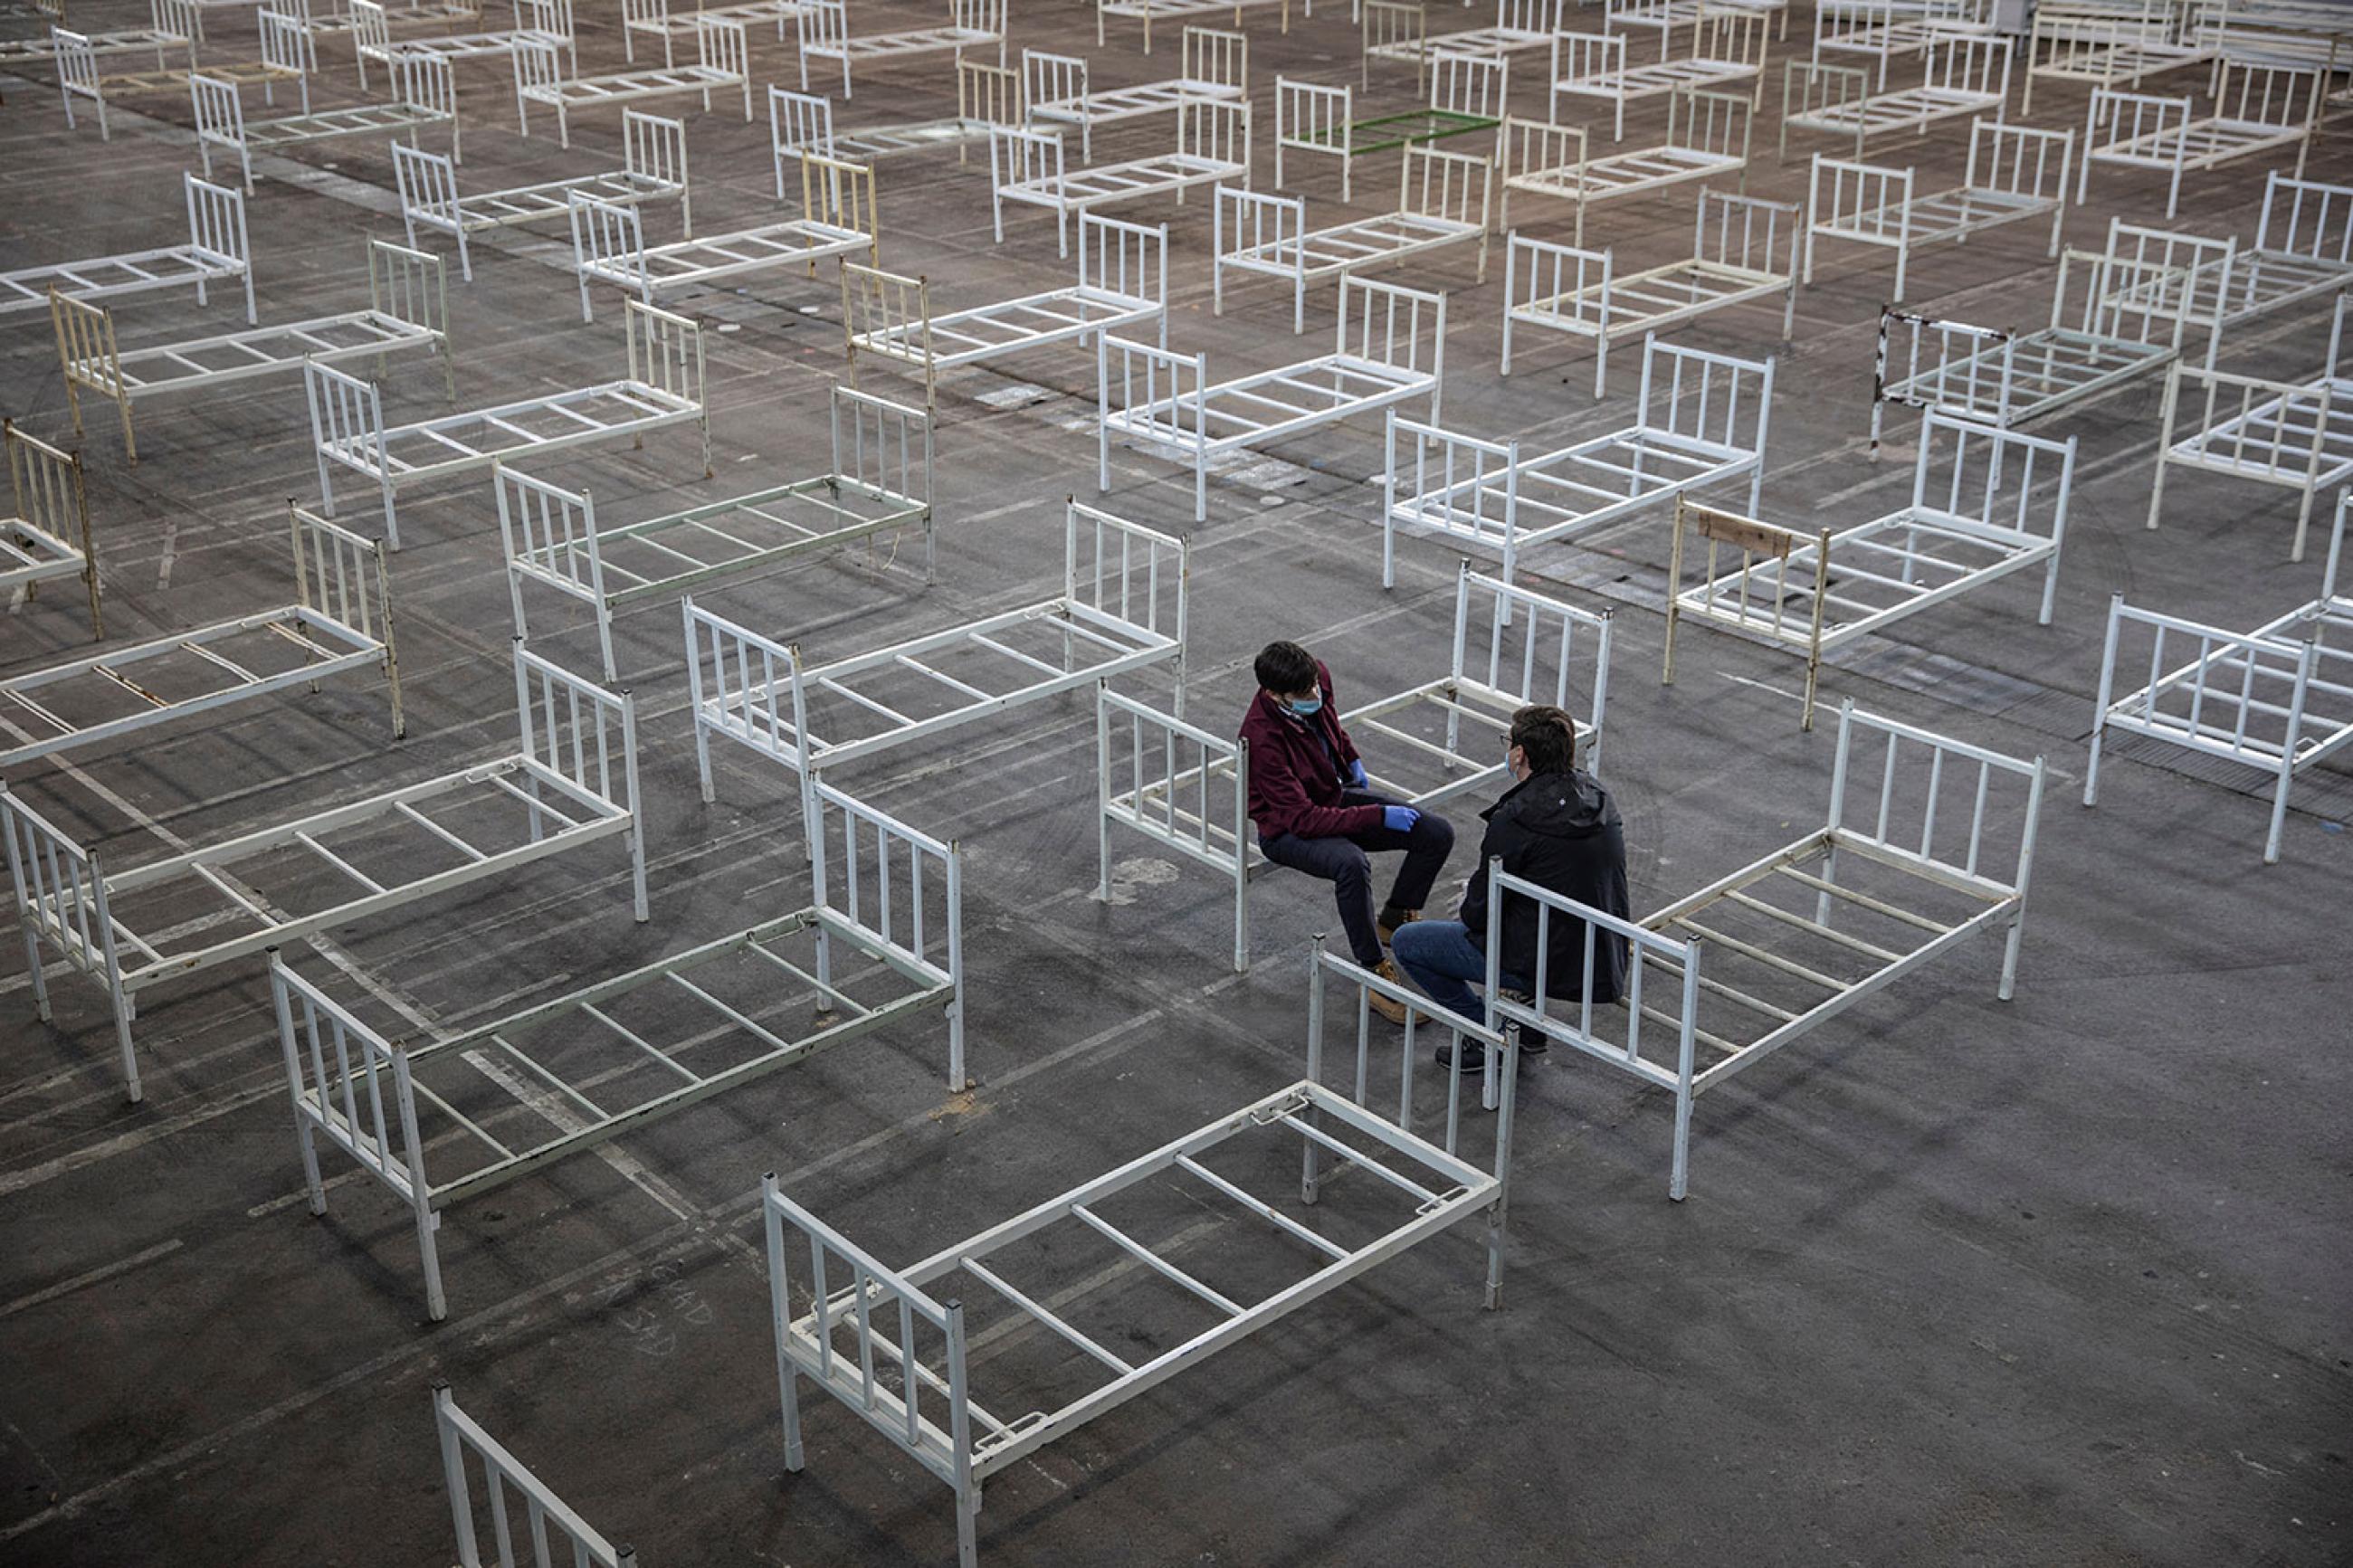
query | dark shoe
(1385,925)
(1387,1006)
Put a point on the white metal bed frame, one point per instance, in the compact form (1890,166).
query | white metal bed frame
(1186,11)
(544,1514)
(218,248)
(879,481)
(1708,138)
(1663,17)
(2108,43)
(49,512)
(1962,74)
(2147,130)
(1888,30)
(2293,434)
(885,1372)
(1702,420)
(987,97)
(720,63)
(1390,348)
(1212,145)
(1185,787)
(1819,870)
(653,169)
(756,691)
(653,17)
(1215,64)
(407,309)
(285,57)
(2137,305)
(1985,504)
(361,1091)
(1443,198)
(573,783)
(1729,46)
(341,620)
(171,24)
(2243,697)
(664,386)
(1470,94)
(825,35)
(424,93)
(1558,287)
(2015,172)
(838,219)
(540,21)
(1122,284)
(2303,248)
(1399,30)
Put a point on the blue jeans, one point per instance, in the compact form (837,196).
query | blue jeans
(1438,956)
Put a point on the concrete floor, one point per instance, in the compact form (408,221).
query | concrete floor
(2062,1280)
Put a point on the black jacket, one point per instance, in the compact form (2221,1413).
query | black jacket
(1560,831)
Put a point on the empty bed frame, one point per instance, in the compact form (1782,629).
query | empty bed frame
(571,781)
(1123,285)
(1215,65)
(1187,11)
(653,18)
(1390,348)
(987,97)
(218,250)
(407,309)
(1399,30)
(2303,248)
(653,169)
(1183,787)
(2133,307)
(2297,435)
(880,1340)
(1729,48)
(1468,96)
(2015,173)
(285,57)
(171,29)
(544,1514)
(1701,420)
(1962,74)
(1443,198)
(719,65)
(2278,699)
(1212,145)
(837,220)
(1889,30)
(826,36)
(341,620)
(1924,844)
(45,536)
(547,21)
(423,94)
(1985,504)
(441,1121)
(2110,42)
(664,386)
(1121,609)
(1560,289)
(2258,108)
(1708,139)
(879,481)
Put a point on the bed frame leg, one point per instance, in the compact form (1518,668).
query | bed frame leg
(967,1534)
(1679,1178)
(125,1010)
(436,1302)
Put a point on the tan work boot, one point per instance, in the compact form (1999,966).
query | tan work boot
(1388,1007)
(1388,932)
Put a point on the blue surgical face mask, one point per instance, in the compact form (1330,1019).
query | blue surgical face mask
(1306,706)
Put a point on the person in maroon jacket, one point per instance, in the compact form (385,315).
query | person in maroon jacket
(1317,812)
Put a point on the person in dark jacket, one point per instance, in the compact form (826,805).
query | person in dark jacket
(1317,812)
(1556,828)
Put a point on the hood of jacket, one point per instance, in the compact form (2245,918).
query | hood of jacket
(1555,805)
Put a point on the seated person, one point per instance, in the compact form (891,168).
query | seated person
(1558,829)
(1317,812)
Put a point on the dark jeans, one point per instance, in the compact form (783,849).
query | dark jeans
(1342,862)
(1438,956)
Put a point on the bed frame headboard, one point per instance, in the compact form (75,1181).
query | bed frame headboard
(1927,800)
(898,888)
(1123,574)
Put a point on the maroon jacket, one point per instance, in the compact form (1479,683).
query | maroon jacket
(1295,786)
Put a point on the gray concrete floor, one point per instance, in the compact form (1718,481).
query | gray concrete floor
(2057,1280)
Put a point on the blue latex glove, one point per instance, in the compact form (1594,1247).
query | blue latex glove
(1356,773)
(1400,818)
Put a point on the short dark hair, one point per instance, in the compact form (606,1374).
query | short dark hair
(1546,736)
(1285,667)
